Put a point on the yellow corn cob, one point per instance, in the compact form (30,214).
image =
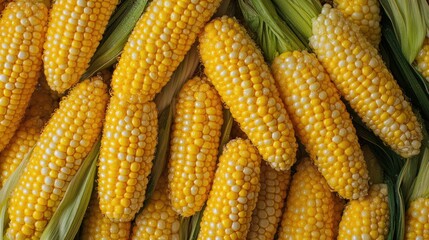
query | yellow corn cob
(194,146)
(365,82)
(39,110)
(158,220)
(24,139)
(322,122)
(417,220)
(127,149)
(271,198)
(22,32)
(64,143)
(74,32)
(237,69)
(365,14)
(367,218)
(96,226)
(157,45)
(309,211)
(422,59)
(234,193)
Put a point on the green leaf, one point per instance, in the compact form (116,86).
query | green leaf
(116,35)
(299,14)
(7,190)
(409,23)
(68,217)
(272,34)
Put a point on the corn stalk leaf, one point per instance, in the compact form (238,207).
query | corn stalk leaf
(116,35)
(7,190)
(67,219)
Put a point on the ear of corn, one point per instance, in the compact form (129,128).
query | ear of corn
(417,220)
(127,150)
(194,145)
(22,33)
(269,207)
(157,45)
(96,226)
(158,220)
(74,32)
(365,14)
(237,69)
(234,193)
(22,142)
(322,122)
(422,59)
(367,218)
(364,81)
(63,145)
(39,110)
(309,211)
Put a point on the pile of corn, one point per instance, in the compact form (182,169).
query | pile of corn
(211,119)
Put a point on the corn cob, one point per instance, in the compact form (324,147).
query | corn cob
(39,110)
(322,122)
(74,32)
(64,143)
(271,198)
(24,139)
(367,218)
(365,14)
(96,226)
(365,82)
(22,32)
(127,149)
(309,211)
(417,220)
(157,45)
(234,193)
(158,220)
(194,146)
(422,59)
(237,69)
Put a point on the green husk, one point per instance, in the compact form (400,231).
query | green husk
(66,221)
(420,163)
(299,14)
(272,34)
(6,192)
(116,35)
(409,22)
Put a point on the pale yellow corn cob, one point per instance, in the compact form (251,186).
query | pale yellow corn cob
(322,122)
(126,154)
(417,220)
(267,214)
(64,143)
(362,78)
(236,67)
(234,193)
(194,146)
(158,43)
